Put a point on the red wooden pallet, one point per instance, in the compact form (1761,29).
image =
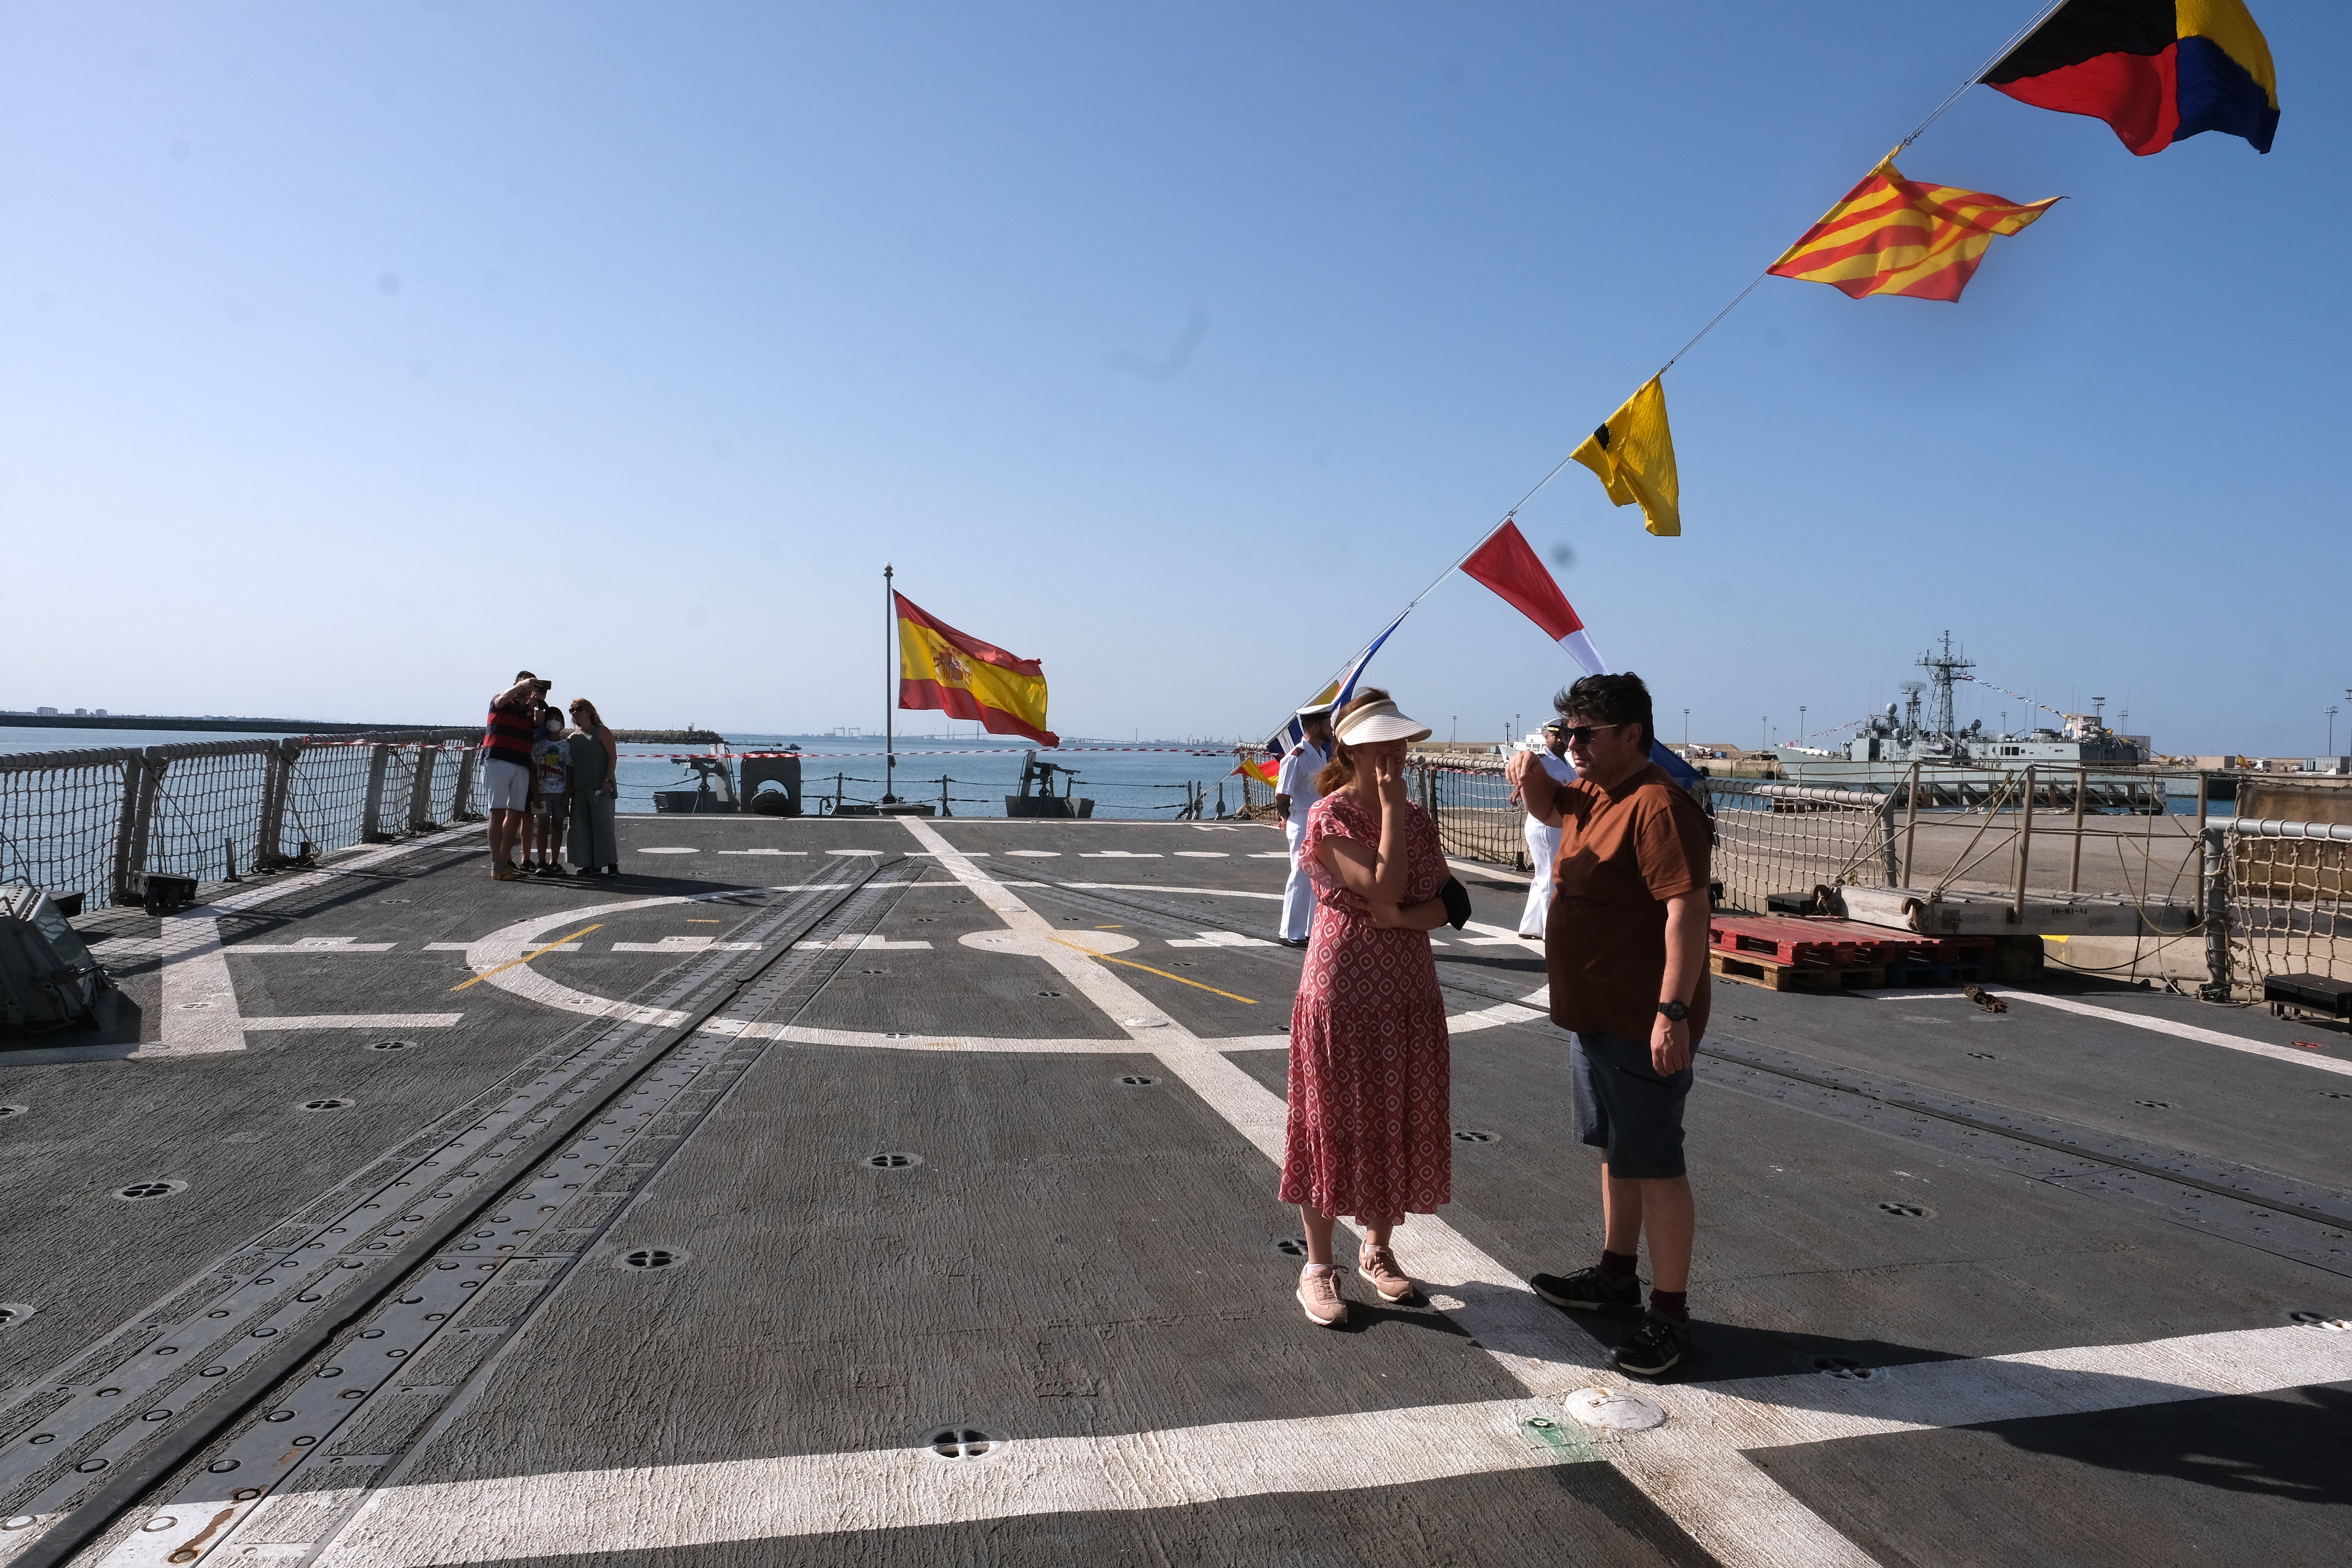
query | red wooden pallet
(1836,944)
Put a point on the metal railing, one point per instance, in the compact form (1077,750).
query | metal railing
(96,821)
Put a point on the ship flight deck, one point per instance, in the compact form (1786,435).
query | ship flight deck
(879,1191)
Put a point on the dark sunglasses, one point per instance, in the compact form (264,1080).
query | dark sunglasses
(1579,734)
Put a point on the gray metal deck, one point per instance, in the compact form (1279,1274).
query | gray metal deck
(598,1262)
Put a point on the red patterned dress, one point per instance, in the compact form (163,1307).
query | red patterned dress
(1371,1134)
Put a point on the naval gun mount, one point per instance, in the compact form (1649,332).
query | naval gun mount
(771,785)
(1046,803)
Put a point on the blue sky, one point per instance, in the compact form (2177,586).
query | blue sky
(350,357)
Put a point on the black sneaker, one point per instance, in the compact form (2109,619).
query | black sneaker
(1658,1345)
(1589,1290)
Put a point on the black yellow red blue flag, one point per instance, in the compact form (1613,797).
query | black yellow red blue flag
(2159,72)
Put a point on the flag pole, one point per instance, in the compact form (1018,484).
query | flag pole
(890,696)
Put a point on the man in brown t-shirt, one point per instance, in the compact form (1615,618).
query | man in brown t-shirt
(1626,949)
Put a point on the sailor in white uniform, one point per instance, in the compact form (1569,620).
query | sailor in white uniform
(1543,842)
(1294,796)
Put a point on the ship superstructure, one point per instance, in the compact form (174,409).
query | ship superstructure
(1902,735)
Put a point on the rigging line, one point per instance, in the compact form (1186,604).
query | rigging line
(1998,54)
(2047,11)
(1951,98)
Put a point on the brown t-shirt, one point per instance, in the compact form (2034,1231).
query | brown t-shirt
(1622,856)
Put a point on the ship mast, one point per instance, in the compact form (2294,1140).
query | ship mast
(1941,671)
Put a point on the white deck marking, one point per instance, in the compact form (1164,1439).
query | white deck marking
(855,943)
(682,944)
(1035,853)
(313,944)
(199,1014)
(1219,938)
(763,852)
(1203,854)
(358,1021)
(485,955)
(1731,1509)
(853,852)
(1117,855)
(648,1508)
(928,855)
(1492,1017)
(1269,854)
(671,850)
(1162,888)
(1497,936)
(2182,1031)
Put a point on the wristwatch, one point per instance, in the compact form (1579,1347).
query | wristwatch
(1675,1012)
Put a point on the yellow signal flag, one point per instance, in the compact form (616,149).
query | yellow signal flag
(1634,455)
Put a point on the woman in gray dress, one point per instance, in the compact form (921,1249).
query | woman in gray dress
(596,759)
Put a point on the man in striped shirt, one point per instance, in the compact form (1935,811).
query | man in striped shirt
(506,769)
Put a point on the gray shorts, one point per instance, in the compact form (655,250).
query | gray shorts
(1622,1105)
(506,787)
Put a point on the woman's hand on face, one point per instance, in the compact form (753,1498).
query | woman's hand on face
(1388,773)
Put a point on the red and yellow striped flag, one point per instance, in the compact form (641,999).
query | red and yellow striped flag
(1890,235)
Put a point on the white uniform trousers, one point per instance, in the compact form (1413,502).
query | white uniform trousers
(1299,893)
(1543,849)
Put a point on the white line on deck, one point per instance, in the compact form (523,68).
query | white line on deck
(199,1014)
(2183,1031)
(357,1021)
(1735,1511)
(649,1508)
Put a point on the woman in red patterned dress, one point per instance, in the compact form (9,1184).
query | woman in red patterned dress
(1370,1135)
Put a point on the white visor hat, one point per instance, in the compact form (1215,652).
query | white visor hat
(1378,721)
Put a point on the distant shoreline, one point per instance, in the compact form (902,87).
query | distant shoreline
(159,722)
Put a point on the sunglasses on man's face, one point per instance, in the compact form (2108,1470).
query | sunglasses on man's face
(1577,734)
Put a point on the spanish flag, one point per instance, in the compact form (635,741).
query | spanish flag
(1267,771)
(964,678)
(2158,71)
(1891,236)
(1633,456)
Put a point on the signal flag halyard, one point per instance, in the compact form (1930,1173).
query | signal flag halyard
(1893,236)
(1633,453)
(964,678)
(2158,71)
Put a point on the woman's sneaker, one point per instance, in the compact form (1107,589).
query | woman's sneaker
(1318,1293)
(1378,1268)
(1659,1344)
(1589,1290)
